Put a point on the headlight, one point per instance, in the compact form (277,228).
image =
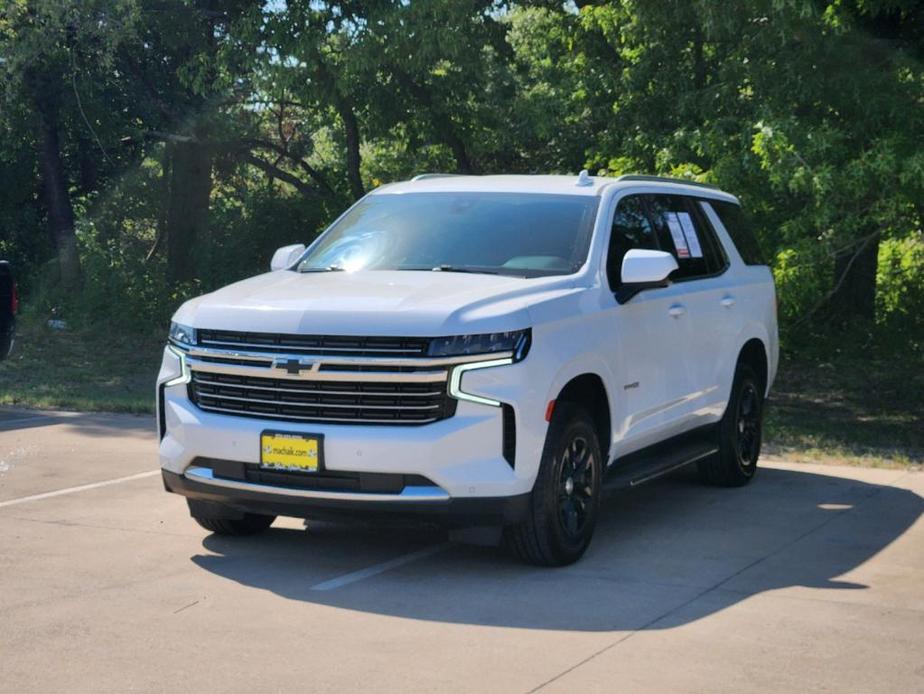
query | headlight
(182,334)
(516,341)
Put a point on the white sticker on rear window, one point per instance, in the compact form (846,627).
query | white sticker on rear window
(689,230)
(680,242)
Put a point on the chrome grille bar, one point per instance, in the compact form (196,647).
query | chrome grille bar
(423,394)
(343,420)
(317,405)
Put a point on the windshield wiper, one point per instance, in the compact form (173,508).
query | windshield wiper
(329,268)
(460,268)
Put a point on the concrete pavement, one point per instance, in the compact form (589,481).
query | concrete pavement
(812,578)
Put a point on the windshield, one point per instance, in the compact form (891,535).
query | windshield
(522,234)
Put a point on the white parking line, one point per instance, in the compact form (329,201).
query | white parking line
(376,569)
(81,488)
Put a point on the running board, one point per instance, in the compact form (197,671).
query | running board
(660,459)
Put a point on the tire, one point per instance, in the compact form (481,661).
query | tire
(562,511)
(739,434)
(250,524)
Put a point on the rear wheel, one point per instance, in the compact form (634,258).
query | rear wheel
(249,524)
(566,497)
(740,434)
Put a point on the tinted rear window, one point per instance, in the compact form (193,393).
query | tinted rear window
(739,227)
(6,278)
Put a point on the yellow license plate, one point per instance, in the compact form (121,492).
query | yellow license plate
(281,451)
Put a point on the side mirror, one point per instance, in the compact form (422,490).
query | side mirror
(643,269)
(285,256)
(646,267)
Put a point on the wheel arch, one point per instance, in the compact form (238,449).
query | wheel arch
(754,354)
(589,391)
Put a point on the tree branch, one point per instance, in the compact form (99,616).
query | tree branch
(241,149)
(282,175)
(315,175)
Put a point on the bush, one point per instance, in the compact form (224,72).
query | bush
(125,286)
(900,290)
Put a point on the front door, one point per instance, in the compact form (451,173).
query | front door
(651,352)
(682,229)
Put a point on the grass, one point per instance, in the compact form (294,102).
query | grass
(86,370)
(847,410)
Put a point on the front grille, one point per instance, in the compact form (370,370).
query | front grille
(318,345)
(367,402)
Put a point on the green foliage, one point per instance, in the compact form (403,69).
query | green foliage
(126,287)
(900,290)
(809,111)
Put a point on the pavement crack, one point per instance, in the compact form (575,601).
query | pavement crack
(186,607)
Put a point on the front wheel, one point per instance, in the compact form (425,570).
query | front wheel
(566,498)
(740,434)
(248,524)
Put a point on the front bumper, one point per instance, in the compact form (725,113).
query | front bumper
(214,497)
(462,457)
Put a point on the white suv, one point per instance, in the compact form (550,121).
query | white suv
(486,352)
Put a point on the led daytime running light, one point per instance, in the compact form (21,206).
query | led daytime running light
(455,381)
(185,375)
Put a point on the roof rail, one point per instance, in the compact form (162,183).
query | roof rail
(423,176)
(666,179)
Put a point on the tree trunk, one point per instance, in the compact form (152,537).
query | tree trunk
(442,123)
(344,106)
(55,195)
(187,207)
(166,160)
(351,129)
(854,296)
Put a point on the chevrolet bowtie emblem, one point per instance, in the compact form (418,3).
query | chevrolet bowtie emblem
(292,366)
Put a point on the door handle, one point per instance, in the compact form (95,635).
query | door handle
(676,310)
(727,301)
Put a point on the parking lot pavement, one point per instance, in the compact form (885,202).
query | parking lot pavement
(812,578)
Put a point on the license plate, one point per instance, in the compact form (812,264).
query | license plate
(282,451)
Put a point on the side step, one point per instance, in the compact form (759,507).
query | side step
(660,459)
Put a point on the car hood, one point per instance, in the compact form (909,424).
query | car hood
(412,303)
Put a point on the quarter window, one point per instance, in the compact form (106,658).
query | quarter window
(740,228)
(631,229)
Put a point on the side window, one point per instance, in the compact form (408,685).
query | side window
(715,255)
(682,230)
(739,228)
(631,229)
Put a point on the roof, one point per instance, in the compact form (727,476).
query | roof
(560,185)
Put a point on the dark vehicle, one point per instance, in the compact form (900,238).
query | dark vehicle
(9,304)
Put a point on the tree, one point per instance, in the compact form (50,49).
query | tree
(43,43)
(811,112)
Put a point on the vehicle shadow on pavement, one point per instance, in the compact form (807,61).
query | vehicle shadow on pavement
(665,554)
(93,424)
